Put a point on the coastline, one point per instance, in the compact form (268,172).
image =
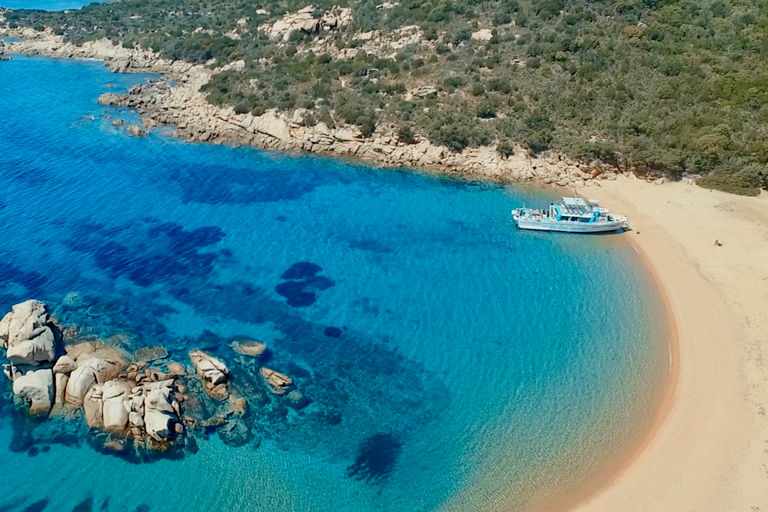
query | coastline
(616,466)
(175,100)
(696,452)
(699,450)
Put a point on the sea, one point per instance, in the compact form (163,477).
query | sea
(449,360)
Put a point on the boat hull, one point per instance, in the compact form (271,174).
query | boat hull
(571,227)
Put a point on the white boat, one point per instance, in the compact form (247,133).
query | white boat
(572,215)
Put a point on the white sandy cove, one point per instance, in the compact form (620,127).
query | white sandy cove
(709,450)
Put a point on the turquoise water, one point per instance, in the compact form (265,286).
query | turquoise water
(46,5)
(468,361)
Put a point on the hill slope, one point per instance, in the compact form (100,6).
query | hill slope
(667,86)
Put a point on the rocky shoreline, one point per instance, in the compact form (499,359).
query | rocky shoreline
(175,99)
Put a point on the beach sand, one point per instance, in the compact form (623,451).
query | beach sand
(708,447)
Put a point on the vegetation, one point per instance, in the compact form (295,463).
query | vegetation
(663,86)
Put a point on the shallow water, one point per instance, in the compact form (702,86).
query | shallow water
(46,5)
(450,358)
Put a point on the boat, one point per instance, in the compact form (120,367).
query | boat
(571,215)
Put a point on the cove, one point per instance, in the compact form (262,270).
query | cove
(450,360)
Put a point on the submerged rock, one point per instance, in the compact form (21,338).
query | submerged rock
(136,130)
(277,382)
(296,399)
(249,347)
(148,354)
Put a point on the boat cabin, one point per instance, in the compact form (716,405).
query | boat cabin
(575,209)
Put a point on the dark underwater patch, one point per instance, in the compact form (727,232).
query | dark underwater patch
(332,332)
(376,458)
(37,506)
(302,270)
(84,506)
(11,274)
(303,284)
(216,184)
(150,252)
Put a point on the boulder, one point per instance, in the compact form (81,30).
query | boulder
(136,130)
(210,369)
(80,381)
(97,367)
(175,369)
(110,98)
(93,405)
(277,382)
(249,348)
(75,351)
(65,365)
(61,380)
(36,387)
(158,414)
(116,395)
(26,334)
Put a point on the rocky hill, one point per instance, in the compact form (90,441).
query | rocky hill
(656,86)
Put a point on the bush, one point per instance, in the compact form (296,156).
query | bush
(405,134)
(745,182)
(505,149)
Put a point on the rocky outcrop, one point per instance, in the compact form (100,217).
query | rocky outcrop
(212,371)
(96,367)
(277,382)
(116,398)
(159,411)
(309,20)
(27,336)
(35,385)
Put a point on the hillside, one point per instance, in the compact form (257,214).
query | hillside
(661,86)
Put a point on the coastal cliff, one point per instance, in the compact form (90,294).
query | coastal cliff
(175,99)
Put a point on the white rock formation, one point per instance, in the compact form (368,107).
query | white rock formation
(93,406)
(65,365)
(209,368)
(483,35)
(26,335)
(93,368)
(305,20)
(116,396)
(36,386)
(158,413)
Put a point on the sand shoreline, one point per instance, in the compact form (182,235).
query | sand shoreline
(695,454)
(664,401)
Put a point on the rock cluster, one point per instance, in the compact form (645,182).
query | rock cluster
(29,340)
(113,395)
(309,20)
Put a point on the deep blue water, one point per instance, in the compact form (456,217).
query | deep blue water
(451,360)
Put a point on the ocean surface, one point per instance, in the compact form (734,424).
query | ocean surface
(47,5)
(451,361)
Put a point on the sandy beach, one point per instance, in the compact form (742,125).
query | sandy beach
(707,449)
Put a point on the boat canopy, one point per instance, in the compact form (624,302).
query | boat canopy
(577,207)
